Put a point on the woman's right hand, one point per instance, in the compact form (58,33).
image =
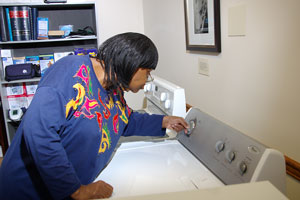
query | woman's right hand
(96,190)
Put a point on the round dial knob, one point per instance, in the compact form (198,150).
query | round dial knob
(147,88)
(220,145)
(163,96)
(242,167)
(167,104)
(230,156)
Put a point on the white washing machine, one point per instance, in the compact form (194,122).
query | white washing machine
(211,155)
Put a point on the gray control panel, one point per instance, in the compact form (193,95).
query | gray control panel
(228,153)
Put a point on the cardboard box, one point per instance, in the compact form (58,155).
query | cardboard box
(31,88)
(17,102)
(43,28)
(59,55)
(45,62)
(6,53)
(15,89)
(18,60)
(32,59)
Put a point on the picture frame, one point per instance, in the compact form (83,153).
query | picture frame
(202,25)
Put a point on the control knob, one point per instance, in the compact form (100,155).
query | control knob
(163,96)
(220,145)
(230,156)
(167,104)
(242,167)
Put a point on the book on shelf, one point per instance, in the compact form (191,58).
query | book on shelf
(45,62)
(34,14)
(3,26)
(32,59)
(30,22)
(8,24)
(20,22)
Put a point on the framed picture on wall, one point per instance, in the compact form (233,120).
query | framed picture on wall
(202,25)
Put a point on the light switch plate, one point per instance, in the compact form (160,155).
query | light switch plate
(203,67)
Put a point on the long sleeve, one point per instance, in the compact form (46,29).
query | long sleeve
(44,143)
(144,124)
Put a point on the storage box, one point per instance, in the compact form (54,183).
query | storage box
(31,88)
(17,102)
(45,62)
(59,55)
(15,89)
(55,34)
(33,59)
(6,53)
(43,28)
(18,60)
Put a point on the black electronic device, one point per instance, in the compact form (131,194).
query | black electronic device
(55,1)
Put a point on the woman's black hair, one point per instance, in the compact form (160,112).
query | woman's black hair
(122,55)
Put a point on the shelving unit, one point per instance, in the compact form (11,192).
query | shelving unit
(77,13)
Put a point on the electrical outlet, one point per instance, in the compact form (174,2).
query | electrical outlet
(203,67)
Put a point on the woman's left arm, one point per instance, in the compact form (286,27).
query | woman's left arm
(144,124)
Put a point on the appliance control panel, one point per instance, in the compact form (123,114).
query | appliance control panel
(162,97)
(167,96)
(229,154)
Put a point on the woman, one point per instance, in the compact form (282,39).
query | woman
(75,120)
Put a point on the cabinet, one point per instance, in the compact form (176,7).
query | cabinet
(74,12)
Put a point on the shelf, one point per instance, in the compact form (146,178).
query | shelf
(93,37)
(80,14)
(41,3)
(22,81)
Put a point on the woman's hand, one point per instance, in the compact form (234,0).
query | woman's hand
(96,190)
(175,123)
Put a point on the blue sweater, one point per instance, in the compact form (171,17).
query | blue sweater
(68,133)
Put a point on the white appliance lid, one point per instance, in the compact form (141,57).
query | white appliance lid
(140,168)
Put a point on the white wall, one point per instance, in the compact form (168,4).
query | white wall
(254,84)
(118,16)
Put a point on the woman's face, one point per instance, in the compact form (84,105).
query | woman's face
(139,79)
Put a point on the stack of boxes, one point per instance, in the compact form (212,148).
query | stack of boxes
(20,94)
